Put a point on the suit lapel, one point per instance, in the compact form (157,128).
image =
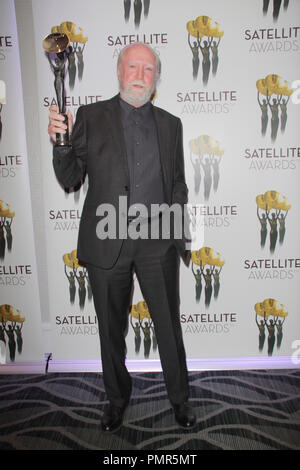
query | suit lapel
(116,129)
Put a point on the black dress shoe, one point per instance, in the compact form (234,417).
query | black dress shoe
(184,415)
(112,418)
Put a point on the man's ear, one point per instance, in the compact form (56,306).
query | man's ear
(119,73)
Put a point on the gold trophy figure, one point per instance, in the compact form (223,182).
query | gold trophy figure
(55,45)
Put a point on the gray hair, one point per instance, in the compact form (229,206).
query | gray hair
(156,57)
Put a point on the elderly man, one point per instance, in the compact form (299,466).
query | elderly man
(131,149)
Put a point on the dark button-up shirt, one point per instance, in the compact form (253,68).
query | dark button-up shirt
(140,133)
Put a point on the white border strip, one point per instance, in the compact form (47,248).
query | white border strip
(284,362)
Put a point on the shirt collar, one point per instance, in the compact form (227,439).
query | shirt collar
(141,110)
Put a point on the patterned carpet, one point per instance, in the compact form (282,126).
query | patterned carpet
(236,410)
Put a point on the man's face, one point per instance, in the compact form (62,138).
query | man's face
(137,75)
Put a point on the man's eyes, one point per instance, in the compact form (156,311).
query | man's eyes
(147,68)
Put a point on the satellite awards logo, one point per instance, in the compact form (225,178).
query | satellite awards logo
(275,210)
(208,37)
(11,326)
(76,273)
(211,275)
(75,50)
(140,319)
(270,316)
(273,89)
(6,220)
(205,155)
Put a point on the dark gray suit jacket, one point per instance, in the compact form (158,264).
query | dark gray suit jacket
(98,149)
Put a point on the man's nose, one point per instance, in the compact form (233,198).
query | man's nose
(140,73)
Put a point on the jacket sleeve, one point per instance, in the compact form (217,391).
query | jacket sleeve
(180,190)
(69,163)
(180,196)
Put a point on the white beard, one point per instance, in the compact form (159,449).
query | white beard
(136,99)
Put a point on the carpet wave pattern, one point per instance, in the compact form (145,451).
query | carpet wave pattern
(236,410)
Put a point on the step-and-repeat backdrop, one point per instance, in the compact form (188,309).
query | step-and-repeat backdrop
(230,71)
(20,316)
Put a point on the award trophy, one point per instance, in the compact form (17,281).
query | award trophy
(55,45)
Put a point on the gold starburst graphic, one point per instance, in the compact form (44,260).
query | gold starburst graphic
(272,209)
(270,315)
(11,324)
(75,272)
(273,94)
(207,258)
(207,36)
(141,313)
(205,155)
(6,220)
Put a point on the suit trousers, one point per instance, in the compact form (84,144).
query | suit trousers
(156,265)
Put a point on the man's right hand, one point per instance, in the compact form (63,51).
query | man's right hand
(56,123)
